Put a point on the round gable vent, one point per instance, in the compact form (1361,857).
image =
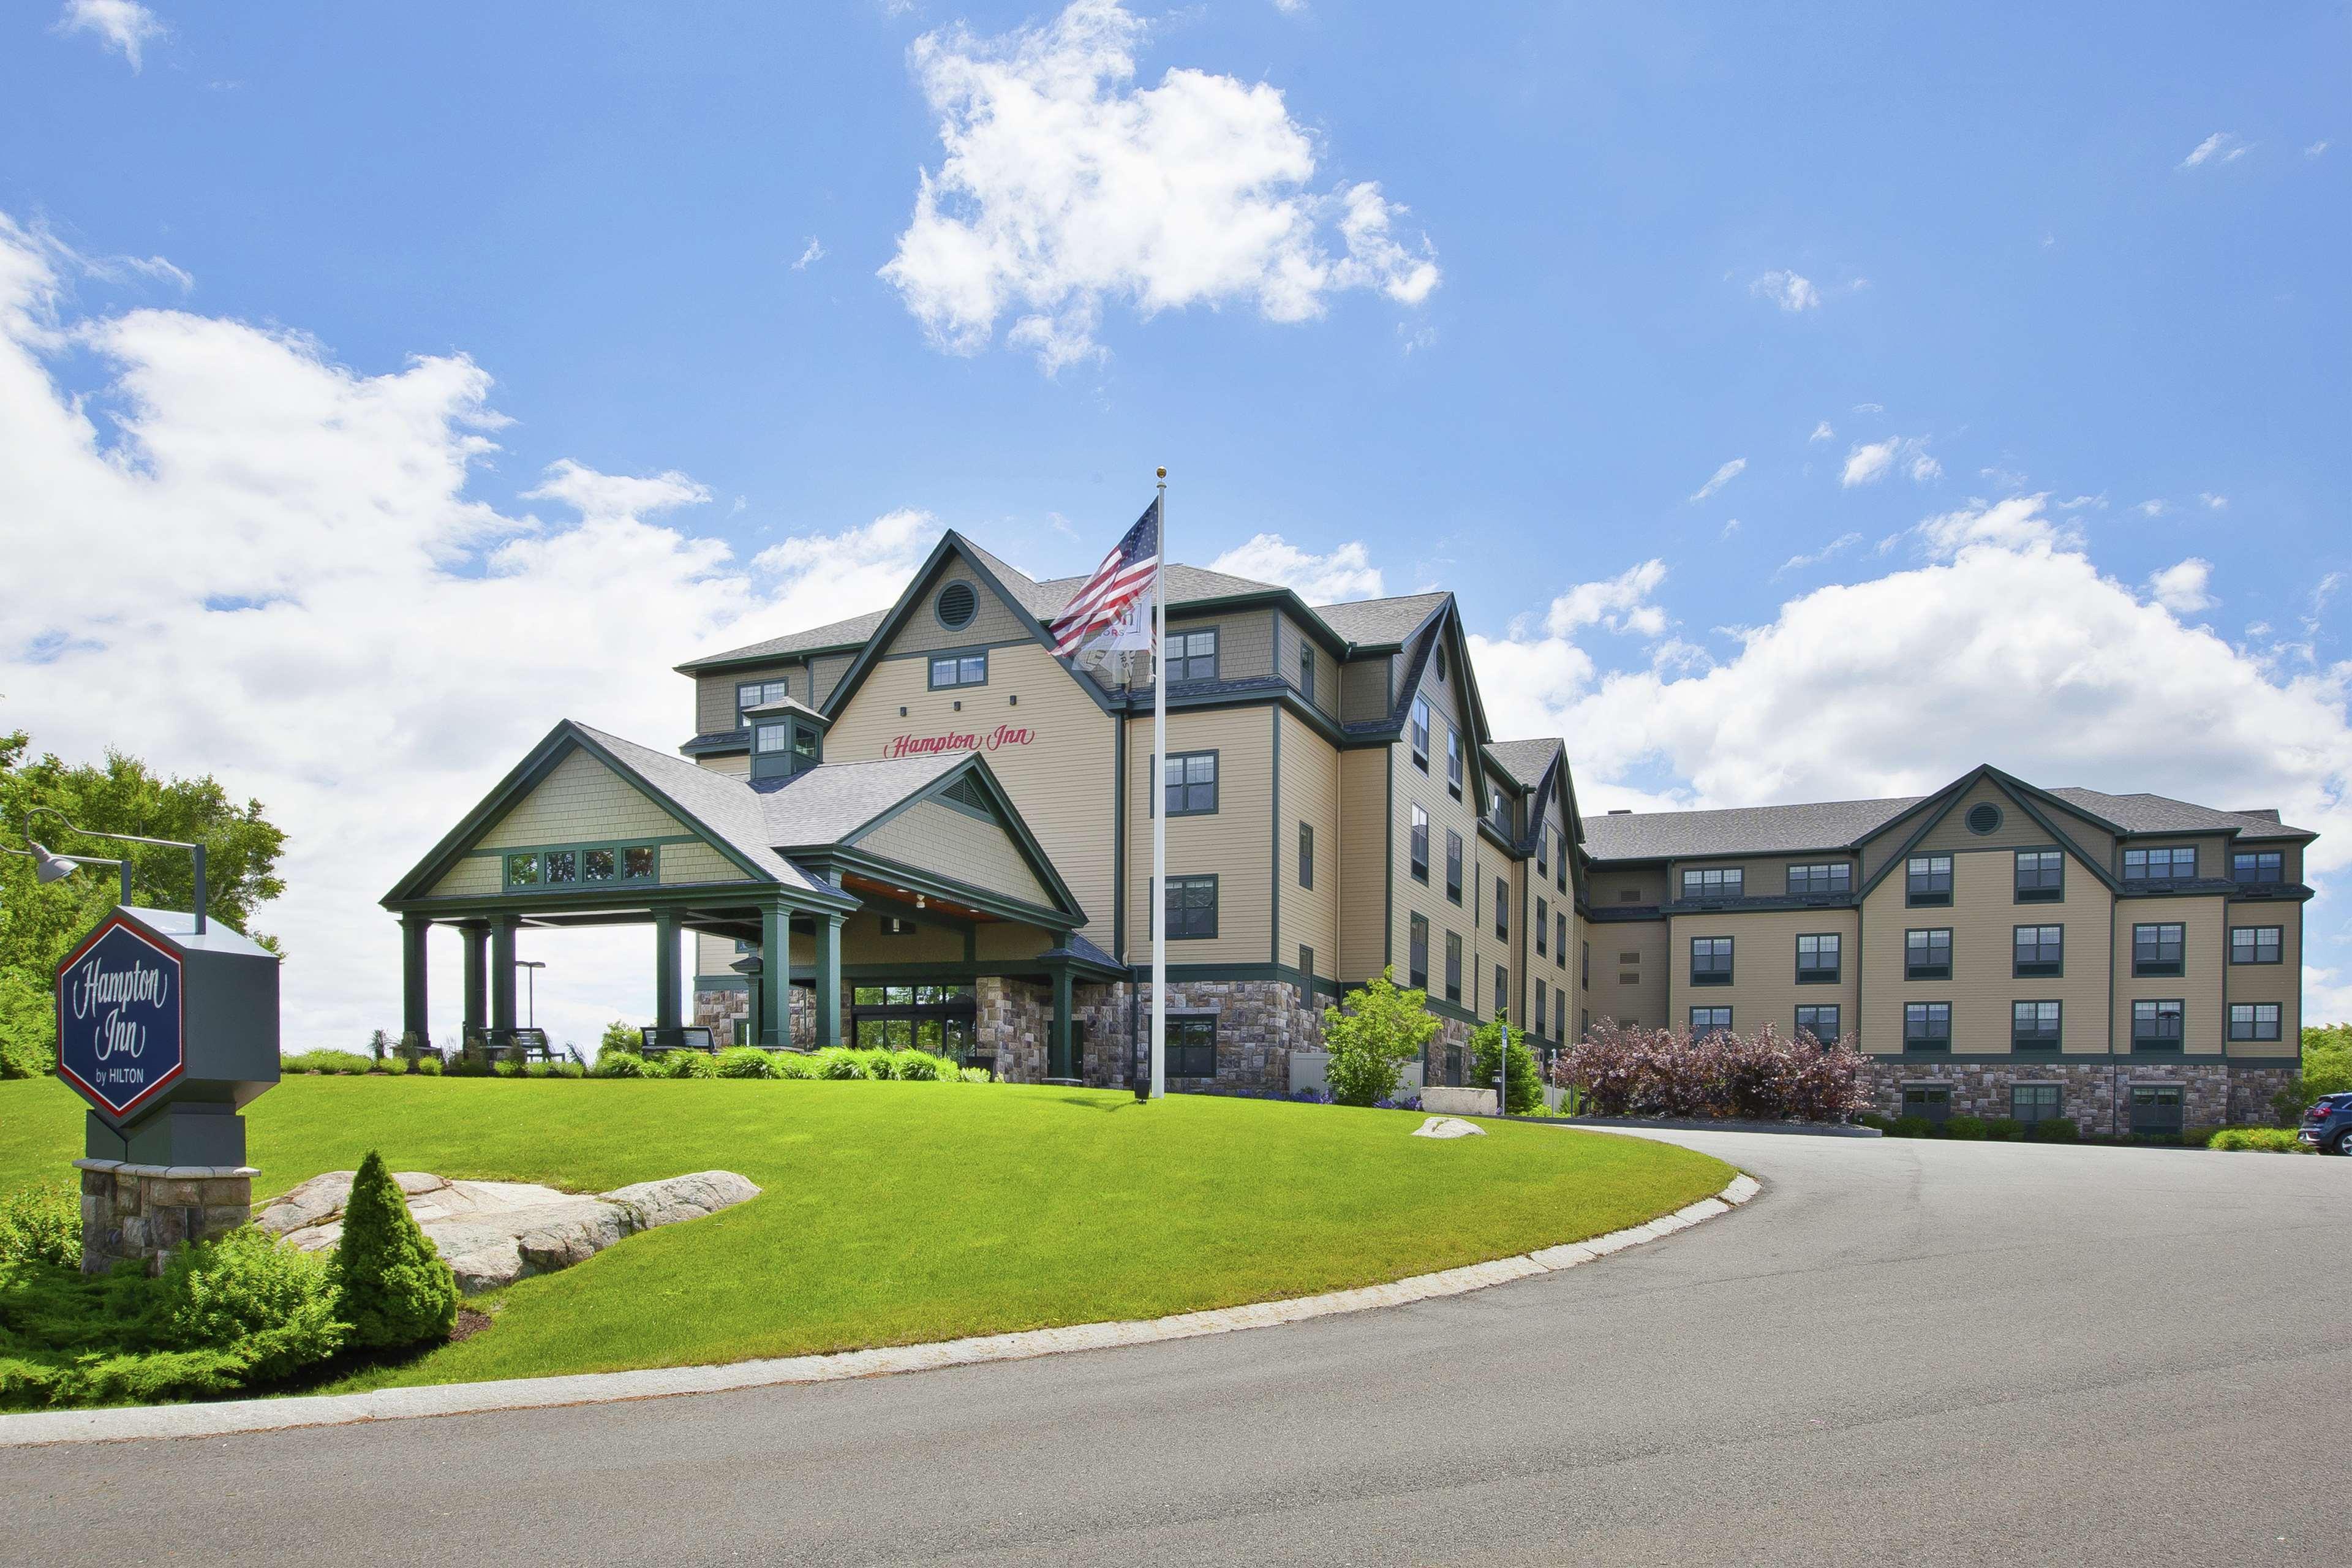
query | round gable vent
(1984,818)
(956,606)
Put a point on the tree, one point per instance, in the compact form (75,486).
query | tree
(1379,1029)
(1523,1088)
(620,1036)
(391,1284)
(38,923)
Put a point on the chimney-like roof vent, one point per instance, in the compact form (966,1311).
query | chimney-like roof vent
(1620,811)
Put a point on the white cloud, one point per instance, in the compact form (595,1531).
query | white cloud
(2181,587)
(1345,574)
(1622,604)
(1291,7)
(1789,291)
(123,24)
(1065,187)
(2098,503)
(1729,529)
(2315,149)
(814,252)
(2015,650)
(2214,503)
(1867,465)
(2151,509)
(279,564)
(1822,432)
(1722,475)
(1870,408)
(1797,563)
(2222,147)
(2015,524)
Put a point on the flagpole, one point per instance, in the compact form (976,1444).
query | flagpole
(1160,799)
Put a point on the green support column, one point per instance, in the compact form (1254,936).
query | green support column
(478,977)
(414,992)
(666,1019)
(1060,1062)
(828,979)
(774,1023)
(502,963)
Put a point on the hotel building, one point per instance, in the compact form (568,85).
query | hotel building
(921,827)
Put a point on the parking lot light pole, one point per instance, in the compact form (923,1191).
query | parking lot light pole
(48,871)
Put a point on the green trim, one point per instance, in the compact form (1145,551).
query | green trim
(957,655)
(1388,869)
(1217,904)
(1274,829)
(721,983)
(720,663)
(634,900)
(1118,840)
(2060,1058)
(1008,818)
(1238,973)
(619,846)
(832,860)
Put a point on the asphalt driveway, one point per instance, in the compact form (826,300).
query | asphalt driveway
(1904,1352)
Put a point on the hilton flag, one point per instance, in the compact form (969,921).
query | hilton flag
(1112,598)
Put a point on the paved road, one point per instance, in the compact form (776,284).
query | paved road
(1905,1352)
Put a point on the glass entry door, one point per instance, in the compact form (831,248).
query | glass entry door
(935,1018)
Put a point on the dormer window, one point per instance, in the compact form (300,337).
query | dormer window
(2160,865)
(752,693)
(1193,655)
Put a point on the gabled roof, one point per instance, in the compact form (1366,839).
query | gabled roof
(851,632)
(1381,621)
(832,801)
(721,805)
(1525,761)
(1739,831)
(2162,814)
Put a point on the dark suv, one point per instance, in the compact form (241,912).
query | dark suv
(2327,1125)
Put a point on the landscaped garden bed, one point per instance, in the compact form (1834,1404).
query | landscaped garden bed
(901,1212)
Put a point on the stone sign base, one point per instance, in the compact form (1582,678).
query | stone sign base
(139,1213)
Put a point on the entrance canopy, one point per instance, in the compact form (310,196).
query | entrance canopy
(590,829)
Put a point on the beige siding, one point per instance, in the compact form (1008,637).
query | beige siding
(1364,689)
(1764,988)
(1060,780)
(1005,939)
(2281,982)
(2204,977)
(689,863)
(1952,834)
(1762,876)
(581,801)
(1363,845)
(1983,917)
(1614,887)
(935,836)
(2212,852)
(712,954)
(1290,638)
(863,941)
(1629,971)
(1235,844)
(1310,794)
(1244,640)
(824,674)
(714,695)
(1473,918)
(474,875)
(732,766)
(993,622)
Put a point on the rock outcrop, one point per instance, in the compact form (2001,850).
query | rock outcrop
(495,1233)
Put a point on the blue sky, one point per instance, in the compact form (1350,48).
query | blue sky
(1908,272)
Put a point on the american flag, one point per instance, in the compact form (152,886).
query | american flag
(1125,575)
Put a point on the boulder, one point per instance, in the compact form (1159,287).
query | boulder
(495,1233)
(1447,1127)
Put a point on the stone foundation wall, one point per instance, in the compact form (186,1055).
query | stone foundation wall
(140,1212)
(1259,1023)
(727,1016)
(1013,1021)
(2096,1096)
(2251,1090)
(1453,1035)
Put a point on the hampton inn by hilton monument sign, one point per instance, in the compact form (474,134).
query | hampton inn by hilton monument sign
(168,1026)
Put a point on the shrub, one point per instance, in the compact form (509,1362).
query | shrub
(793,1064)
(41,1225)
(689,1064)
(620,1036)
(2197,1136)
(2256,1140)
(28,1024)
(393,1288)
(1523,1084)
(1872,1119)
(337,1063)
(922,1066)
(1967,1129)
(839,1062)
(1377,1030)
(872,1062)
(426,1066)
(1911,1127)
(977,1075)
(254,1296)
(747,1061)
(2005,1130)
(2053,1130)
(621,1063)
(1767,1075)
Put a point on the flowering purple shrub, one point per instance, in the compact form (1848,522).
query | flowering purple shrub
(1762,1077)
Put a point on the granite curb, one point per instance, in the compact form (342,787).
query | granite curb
(126,1425)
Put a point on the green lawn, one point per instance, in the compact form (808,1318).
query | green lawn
(896,1212)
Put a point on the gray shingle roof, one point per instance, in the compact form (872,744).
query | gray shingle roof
(1739,831)
(2161,814)
(832,800)
(725,804)
(1525,761)
(836,634)
(1380,620)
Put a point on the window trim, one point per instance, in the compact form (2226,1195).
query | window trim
(1174,885)
(1307,855)
(2037,968)
(1454,761)
(1817,974)
(1835,872)
(1417,731)
(2018,1042)
(2253,1034)
(1457,867)
(1732,882)
(2160,967)
(1929,971)
(1170,1047)
(1417,843)
(2056,1102)
(2278,944)
(1931,898)
(1542,918)
(1216,781)
(1697,1032)
(1307,670)
(2171,852)
(2277,878)
(2019,893)
(2172,1044)
(1927,1045)
(959,657)
(1836,1011)
(1502,909)
(1180,667)
(1416,962)
(1454,967)
(1711,976)
(538,853)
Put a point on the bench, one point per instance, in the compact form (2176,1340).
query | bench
(688,1037)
